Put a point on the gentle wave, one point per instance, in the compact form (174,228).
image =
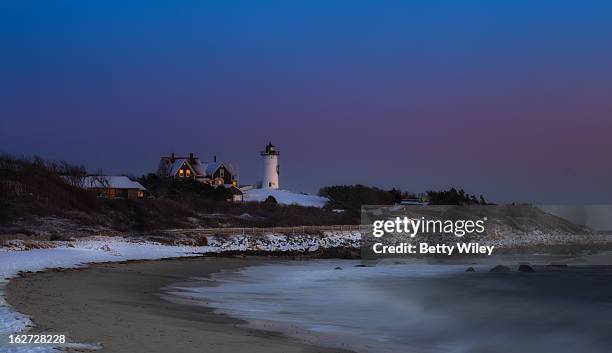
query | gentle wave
(418,307)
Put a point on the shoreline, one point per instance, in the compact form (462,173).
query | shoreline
(179,293)
(121,307)
(96,256)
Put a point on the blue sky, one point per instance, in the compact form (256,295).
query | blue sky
(507,99)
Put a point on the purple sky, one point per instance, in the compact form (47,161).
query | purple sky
(509,99)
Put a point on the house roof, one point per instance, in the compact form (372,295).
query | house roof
(178,164)
(211,168)
(199,168)
(111,181)
(234,190)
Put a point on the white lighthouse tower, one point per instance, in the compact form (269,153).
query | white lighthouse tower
(271,169)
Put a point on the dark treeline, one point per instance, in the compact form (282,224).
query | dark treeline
(352,197)
(454,197)
(41,181)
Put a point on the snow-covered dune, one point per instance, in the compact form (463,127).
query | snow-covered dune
(285,197)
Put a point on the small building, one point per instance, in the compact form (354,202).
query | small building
(237,194)
(186,168)
(113,186)
(414,201)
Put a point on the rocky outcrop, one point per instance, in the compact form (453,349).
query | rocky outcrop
(500,268)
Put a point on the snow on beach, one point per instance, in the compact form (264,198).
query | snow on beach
(16,258)
(87,251)
(285,197)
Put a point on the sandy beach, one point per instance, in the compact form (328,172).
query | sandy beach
(119,306)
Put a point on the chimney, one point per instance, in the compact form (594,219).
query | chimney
(172,157)
(215,159)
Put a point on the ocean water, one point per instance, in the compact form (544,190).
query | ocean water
(419,307)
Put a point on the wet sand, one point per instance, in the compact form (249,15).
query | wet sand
(120,307)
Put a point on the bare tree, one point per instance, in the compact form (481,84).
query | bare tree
(74,175)
(100,180)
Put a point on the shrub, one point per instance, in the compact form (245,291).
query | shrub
(271,200)
(352,197)
(184,189)
(454,197)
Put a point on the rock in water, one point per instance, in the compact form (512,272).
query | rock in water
(338,268)
(525,268)
(470,269)
(500,268)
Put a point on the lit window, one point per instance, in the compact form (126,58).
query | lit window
(181,173)
(188,172)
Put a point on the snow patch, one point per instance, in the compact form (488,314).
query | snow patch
(285,197)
